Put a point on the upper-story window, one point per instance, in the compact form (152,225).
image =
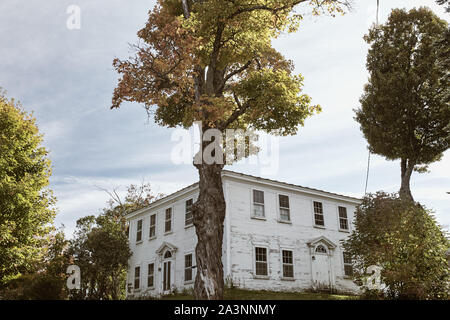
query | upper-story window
(188,218)
(343,219)
(260,261)
(288,264)
(318,214)
(152,229)
(258,204)
(139,231)
(168,223)
(188,267)
(137,277)
(285,214)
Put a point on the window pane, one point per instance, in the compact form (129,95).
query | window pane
(151,270)
(168,224)
(258,196)
(152,225)
(287,256)
(188,267)
(188,216)
(261,261)
(343,212)
(318,219)
(284,214)
(284,201)
(288,271)
(137,275)
(258,210)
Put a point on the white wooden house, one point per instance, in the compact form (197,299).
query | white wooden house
(277,236)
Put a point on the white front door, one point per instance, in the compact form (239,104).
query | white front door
(321,271)
(320,267)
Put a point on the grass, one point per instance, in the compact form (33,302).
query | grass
(241,294)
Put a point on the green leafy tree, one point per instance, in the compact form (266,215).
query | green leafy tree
(404,239)
(100,245)
(49,280)
(405,109)
(26,204)
(212,61)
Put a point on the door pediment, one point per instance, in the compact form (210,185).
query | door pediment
(322,240)
(166,246)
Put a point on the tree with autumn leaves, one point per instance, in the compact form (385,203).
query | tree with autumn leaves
(212,61)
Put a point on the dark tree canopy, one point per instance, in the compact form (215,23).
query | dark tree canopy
(405,110)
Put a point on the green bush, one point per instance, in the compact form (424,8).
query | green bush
(404,239)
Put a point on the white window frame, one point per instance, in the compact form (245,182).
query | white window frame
(339,219)
(192,267)
(314,215)
(283,277)
(259,276)
(279,208)
(137,278)
(252,214)
(185,209)
(171,220)
(154,274)
(345,264)
(150,225)
(141,230)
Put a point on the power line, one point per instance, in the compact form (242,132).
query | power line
(368,158)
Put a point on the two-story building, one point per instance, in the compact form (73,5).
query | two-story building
(277,236)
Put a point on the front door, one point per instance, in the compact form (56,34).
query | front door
(167,276)
(321,273)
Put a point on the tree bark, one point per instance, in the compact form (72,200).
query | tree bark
(406,171)
(209,216)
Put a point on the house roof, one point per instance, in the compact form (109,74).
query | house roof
(247,177)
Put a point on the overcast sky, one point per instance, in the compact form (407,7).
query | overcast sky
(66,77)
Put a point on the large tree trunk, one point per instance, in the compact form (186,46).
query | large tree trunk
(406,171)
(209,216)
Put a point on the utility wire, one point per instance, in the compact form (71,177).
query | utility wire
(368,158)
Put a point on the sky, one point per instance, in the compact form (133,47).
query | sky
(65,76)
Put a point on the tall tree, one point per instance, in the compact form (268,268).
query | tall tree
(212,61)
(405,110)
(26,204)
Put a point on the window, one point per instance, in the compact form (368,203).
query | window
(318,214)
(261,261)
(137,276)
(152,232)
(321,249)
(284,208)
(348,266)
(188,267)
(139,231)
(188,217)
(168,224)
(288,264)
(258,204)
(343,220)
(151,275)
(167,255)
